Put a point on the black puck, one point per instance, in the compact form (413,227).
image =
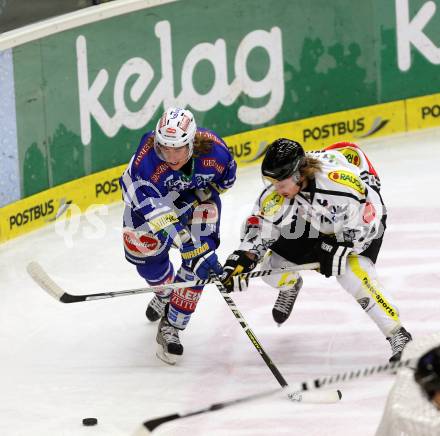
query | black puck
(90,421)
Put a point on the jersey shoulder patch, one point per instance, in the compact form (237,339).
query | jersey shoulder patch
(347,178)
(351,155)
(209,135)
(145,146)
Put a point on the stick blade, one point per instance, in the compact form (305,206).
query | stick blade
(40,277)
(319,396)
(142,431)
(149,426)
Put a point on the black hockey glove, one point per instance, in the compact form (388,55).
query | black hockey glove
(238,262)
(332,255)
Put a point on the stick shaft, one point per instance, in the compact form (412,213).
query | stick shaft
(251,335)
(40,276)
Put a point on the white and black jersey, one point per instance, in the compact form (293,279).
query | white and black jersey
(342,200)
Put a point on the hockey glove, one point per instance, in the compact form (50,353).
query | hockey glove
(238,262)
(332,256)
(202,261)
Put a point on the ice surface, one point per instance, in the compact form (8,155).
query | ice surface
(60,363)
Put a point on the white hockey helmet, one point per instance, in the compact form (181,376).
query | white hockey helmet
(175,128)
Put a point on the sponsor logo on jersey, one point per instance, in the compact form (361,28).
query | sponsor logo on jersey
(160,169)
(272,204)
(163,221)
(212,163)
(347,178)
(142,153)
(351,155)
(107,187)
(431,111)
(31,214)
(177,184)
(196,252)
(369,213)
(140,244)
(253,221)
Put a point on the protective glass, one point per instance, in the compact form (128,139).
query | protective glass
(270,181)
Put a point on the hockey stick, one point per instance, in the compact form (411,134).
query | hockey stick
(149,426)
(332,396)
(40,277)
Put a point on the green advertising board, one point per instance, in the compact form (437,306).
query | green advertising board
(84,96)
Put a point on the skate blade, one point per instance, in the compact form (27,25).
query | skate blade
(170,359)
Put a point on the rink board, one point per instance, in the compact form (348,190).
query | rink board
(100,188)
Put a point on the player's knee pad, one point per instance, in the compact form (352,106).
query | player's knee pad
(157,271)
(360,270)
(283,282)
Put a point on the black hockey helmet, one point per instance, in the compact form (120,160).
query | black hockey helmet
(283,159)
(427,374)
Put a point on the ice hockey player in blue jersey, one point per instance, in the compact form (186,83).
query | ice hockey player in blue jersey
(171,190)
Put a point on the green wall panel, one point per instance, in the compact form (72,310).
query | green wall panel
(85,96)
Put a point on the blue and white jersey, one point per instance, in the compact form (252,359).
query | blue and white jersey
(161,195)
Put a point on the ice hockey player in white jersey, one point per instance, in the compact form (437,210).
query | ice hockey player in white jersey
(321,207)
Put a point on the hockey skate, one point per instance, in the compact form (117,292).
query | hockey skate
(169,348)
(284,304)
(156,308)
(398,342)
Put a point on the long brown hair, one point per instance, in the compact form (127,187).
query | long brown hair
(311,167)
(202,144)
